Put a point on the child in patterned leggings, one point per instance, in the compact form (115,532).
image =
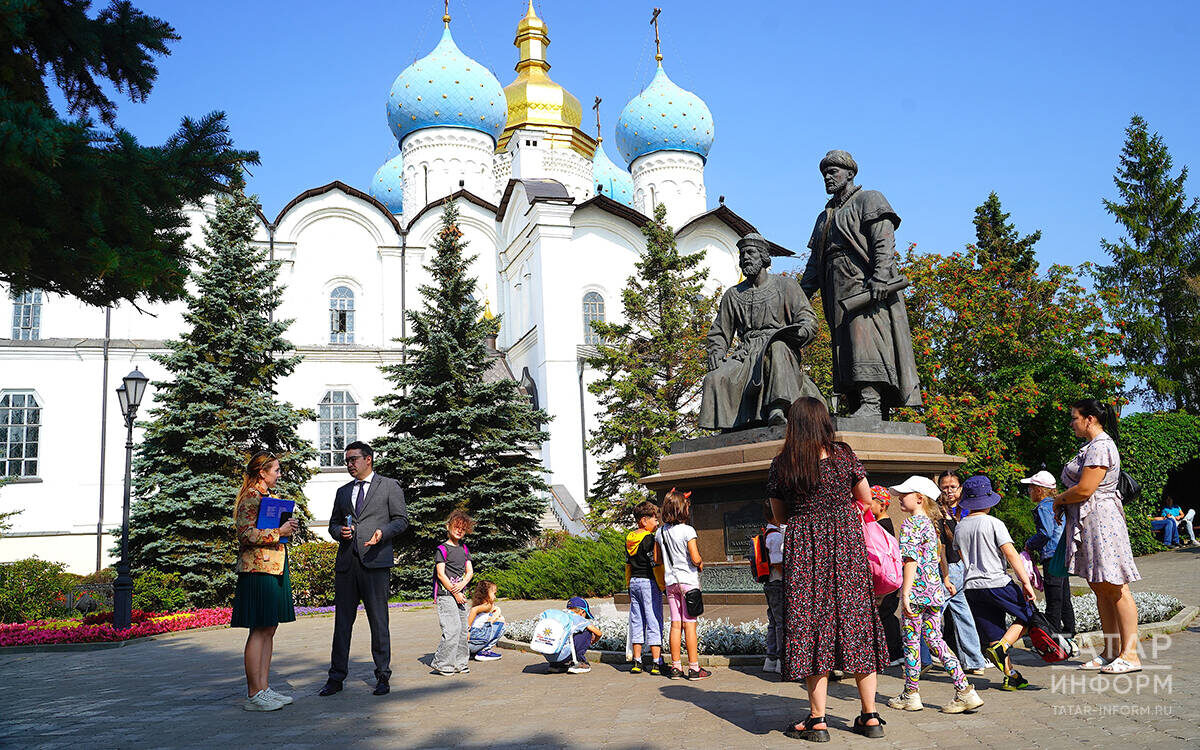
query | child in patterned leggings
(922,597)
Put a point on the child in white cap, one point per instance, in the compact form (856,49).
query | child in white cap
(923,595)
(1044,542)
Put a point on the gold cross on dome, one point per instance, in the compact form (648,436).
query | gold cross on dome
(446,12)
(654,23)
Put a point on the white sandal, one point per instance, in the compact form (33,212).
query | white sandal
(1120,666)
(1095,665)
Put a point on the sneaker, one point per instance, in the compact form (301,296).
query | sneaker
(636,668)
(1014,681)
(656,669)
(260,701)
(977,672)
(672,673)
(698,674)
(279,698)
(771,665)
(488,655)
(907,702)
(444,671)
(899,660)
(464,670)
(967,700)
(583,668)
(998,653)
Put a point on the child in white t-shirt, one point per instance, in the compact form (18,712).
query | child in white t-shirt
(773,589)
(677,540)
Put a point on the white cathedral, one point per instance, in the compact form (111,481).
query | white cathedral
(554,222)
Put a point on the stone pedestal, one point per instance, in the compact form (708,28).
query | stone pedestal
(727,475)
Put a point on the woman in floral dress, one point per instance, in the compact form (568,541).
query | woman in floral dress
(831,619)
(1096,536)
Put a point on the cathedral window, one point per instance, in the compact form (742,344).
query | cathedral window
(593,312)
(20,423)
(341,315)
(27,316)
(337,425)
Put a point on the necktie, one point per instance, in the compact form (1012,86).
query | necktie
(362,499)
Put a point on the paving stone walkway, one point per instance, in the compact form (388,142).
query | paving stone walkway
(186,690)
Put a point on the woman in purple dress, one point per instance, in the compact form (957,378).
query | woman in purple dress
(831,619)
(1096,535)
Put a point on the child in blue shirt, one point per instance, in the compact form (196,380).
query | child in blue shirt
(1059,610)
(572,657)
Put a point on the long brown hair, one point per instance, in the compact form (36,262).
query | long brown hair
(483,591)
(676,508)
(809,433)
(252,474)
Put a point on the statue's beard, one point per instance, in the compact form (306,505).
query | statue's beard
(751,270)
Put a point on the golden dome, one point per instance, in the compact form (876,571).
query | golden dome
(535,101)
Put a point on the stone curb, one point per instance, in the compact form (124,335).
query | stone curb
(1183,618)
(1093,639)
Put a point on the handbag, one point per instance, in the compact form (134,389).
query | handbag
(1128,487)
(693,600)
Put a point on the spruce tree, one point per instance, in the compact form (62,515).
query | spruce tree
(456,438)
(87,210)
(217,408)
(651,369)
(997,239)
(1156,310)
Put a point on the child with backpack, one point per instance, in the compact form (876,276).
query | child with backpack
(452,572)
(986,548)
(772,543)
(642,571)
(878,505)
(922,597)
(486,623)
(563,636)
(678,542)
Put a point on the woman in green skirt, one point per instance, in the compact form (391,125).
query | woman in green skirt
(264,593)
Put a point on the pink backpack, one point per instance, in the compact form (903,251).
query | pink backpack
(883,553)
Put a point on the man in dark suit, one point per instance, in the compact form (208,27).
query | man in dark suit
(368,513)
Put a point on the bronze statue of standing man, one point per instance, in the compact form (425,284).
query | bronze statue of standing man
(853,265)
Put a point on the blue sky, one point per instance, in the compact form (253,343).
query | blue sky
(940,103)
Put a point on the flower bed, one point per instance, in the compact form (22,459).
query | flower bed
(99,628)
(1151,607)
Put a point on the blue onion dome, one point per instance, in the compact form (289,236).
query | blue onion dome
(664,117)
(446,89)
(387,186)
(609,179)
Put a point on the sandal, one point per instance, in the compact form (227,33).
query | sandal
(808,733)
(1095,665)
(874,731)
(1120,666)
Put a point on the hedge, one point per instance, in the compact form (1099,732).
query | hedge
(578,567)
(1152,445)
(311,570)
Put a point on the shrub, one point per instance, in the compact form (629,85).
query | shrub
(1151,607)
(31,589)
(312,573)
(1152,445)
(578,567)
(155,591)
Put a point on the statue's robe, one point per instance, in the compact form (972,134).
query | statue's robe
(851,243)
(771,324)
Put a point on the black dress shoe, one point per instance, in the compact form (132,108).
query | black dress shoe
(330,688)
(381,688)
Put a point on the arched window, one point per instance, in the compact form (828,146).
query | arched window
(341,315)
(337,423)
(27,316)
(20,423)
(593,312)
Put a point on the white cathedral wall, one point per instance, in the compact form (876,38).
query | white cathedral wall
(673,178)
(436,159)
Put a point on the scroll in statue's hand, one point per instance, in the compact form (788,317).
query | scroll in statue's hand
(878,289)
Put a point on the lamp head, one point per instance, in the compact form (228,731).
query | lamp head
(135,387)
(123,398)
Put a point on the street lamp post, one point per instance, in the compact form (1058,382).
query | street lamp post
(133,387)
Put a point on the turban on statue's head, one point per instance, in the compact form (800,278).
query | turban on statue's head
(839,158)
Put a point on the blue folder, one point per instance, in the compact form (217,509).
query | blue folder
(271,514)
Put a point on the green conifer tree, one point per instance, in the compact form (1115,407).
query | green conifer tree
(458,438)
(998,239)
(651,369)
(87,210)
(1157,311)
(218,407)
